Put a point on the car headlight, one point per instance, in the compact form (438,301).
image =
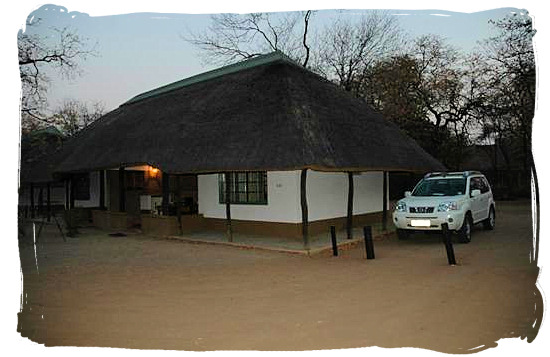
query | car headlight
(401,206)
(448,206)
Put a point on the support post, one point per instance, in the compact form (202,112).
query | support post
(229,229)
(102,189)
(32,200)
(41,202)
(121,190)
(72,192)
(165,193)
(49,201)
(385,204)
(369,247)
(303,201)
(448,244)
(333,240)
(67,195)
(349,224)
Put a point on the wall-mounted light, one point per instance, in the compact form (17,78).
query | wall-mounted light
(153,171)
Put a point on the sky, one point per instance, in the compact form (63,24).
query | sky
(139,52)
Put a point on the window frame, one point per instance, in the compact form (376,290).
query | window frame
(241,183)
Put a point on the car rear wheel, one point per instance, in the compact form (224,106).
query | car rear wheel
(489,223)
(465,232)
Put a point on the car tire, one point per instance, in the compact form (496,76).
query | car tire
(465,232)
(489,223)
(403,234)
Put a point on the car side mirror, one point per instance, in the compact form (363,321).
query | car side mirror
(408,193)
(476,193)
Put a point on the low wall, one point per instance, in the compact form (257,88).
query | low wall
(168,225)
(109,220)
(290,230)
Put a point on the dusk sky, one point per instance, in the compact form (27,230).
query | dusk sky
(136,52)
(140,47)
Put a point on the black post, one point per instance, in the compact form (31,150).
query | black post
(165,193)
(121,190)
(67,194)
(369,247)
(48,201)
(32,200)
(448,244)
(102,189)
(349,225)
(333,239)
(303,201)
(229,228)
(41,202)
(385,199)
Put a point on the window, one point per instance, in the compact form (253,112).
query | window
(478,183)
(134,179)
(441,187)
(485,185)
(245,187)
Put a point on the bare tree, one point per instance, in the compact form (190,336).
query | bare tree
(73,116)
(441,80)
(431,93)
(233,37)
(508,71)
(37,53)
(347,49)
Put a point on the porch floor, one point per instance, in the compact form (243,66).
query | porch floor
(320,243)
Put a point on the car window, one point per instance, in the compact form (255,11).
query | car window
(474,184)
(478,183)
(440,187)
(485,187)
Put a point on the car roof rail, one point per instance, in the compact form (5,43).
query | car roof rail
(457,173)
(471,172)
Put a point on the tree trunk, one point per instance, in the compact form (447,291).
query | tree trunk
(229,228)
(385,201)
(121,190)
(303,200)
(349,225)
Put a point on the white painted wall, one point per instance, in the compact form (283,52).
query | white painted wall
(368,192)
(282,199)
(327,195)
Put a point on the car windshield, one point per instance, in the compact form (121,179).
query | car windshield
(441,187)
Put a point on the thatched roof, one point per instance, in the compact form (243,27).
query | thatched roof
(267,113)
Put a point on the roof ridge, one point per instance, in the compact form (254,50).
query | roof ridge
(271,57)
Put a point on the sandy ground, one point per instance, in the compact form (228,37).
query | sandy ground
(145,293)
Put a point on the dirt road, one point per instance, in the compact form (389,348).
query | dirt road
(138,292)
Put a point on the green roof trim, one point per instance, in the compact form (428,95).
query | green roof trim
(219,72)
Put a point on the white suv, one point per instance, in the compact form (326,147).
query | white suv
(460,199)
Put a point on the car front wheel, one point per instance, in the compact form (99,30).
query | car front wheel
(465,232)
